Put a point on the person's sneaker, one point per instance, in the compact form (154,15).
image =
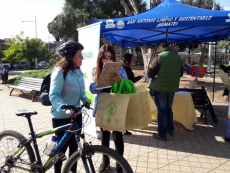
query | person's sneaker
(104,165)
(170,134)
(127,133)
(158,137)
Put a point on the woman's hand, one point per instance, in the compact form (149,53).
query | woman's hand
(115,77)
(71,113)
(74,115)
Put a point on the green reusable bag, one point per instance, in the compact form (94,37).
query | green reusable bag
(126,87)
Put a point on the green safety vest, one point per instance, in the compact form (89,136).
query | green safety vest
(169,73)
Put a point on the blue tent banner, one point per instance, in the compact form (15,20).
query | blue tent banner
(170,21)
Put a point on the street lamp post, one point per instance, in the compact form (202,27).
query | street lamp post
(210,47)
(35,26)
(35,37)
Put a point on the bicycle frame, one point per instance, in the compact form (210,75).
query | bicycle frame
(69,128)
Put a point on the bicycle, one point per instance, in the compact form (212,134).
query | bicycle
(17,155)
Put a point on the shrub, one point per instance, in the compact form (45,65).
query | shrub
(34,74)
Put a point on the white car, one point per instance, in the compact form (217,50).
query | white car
(43,64)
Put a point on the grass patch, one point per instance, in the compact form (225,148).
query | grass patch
(203,64)
(34,74)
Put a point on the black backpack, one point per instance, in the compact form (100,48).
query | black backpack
(45,89)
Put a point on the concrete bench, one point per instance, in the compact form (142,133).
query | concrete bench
(28,84)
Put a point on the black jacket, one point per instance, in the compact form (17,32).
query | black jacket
(225,69)
(130,74)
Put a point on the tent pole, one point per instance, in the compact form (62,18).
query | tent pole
(192,53)
(123,49)
(167,36)
(214,72)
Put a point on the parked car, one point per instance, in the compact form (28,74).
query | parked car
(43,64)
(4,63)
(21,64)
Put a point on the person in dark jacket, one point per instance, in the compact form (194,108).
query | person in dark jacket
(128,61)
(226,70)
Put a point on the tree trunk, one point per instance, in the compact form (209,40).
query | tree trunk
(203,47)
(147,55)
(30,63)
(127,11)
(134,6)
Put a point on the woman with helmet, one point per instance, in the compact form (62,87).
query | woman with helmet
(127,62)
(107,54)
(67,86)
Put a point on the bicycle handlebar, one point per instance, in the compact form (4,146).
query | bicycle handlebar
(75,108)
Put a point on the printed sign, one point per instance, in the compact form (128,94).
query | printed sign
(110,24)
(169,21)
(89,37)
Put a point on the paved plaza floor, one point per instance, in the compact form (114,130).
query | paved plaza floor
(200,150)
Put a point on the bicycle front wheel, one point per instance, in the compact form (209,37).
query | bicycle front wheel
(95,153)
(11,158)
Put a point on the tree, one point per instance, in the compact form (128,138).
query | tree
(76,14)
(24,49)
(224,44)
(2,55)
(206,4)
(154,3)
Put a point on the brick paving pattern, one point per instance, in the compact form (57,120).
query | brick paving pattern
(200,150)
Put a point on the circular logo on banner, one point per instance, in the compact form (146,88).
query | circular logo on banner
(120,24)
(111,109)
(117,122)
(102,119)
(132,120)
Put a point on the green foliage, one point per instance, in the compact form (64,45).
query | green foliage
(206,4)
(24,49)
(224,44)
(34,74)
(2,55)
(76,14)
(54,58)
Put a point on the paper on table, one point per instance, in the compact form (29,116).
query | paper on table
(183,92)
(146,76)
(109,68)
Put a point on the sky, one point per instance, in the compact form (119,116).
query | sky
(13,12)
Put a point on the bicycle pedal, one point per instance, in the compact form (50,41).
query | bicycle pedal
(62,156)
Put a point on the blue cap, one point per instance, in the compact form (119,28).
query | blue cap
(54,138)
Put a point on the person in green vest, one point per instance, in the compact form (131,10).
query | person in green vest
(165,71)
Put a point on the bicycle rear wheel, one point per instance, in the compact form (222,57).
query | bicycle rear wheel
(96,153)
(10,141)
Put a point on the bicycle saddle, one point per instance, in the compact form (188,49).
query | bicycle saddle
(25,112)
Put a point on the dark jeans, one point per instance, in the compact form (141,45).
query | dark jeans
(71,143)
(164,101)
(118,140)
